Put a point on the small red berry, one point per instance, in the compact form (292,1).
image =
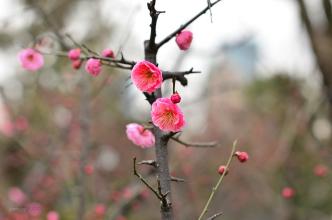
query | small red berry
(288,192)
(108,53)
(222,169)
(176,98)
(76,64)
(242,156)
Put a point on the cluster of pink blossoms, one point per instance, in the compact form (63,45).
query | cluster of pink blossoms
(165,112)
(93,65)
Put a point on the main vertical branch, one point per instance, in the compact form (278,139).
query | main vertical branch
(150,52)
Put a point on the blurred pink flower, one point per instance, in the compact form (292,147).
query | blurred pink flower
(30,59)
(108,53)
(21,123)
(140,136)
(320,170)
(288,192)
(17,196)
(93,66)
(146,76)
(52,215)
(34,209)
(167,115)
(100,209)
(88,169)
(74,54)
(184,39)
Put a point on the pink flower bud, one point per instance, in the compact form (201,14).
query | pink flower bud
(108,53)
(176,98)
(74,54)
(76,64)
(30,59)
(320,170)
(288,192)
(222,169)
(242,156)
(184,39)
(93,66)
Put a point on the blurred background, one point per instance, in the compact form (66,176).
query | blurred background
(266,81)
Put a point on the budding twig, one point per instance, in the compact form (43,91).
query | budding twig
(186,144)
(215,188)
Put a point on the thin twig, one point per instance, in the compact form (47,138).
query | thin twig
(176,179)
(215,188)
(148,162)
(186,144)
(215,216)
(144,181)
(173,34)
(179,75)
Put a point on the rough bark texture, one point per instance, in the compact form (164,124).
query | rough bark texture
(161,148)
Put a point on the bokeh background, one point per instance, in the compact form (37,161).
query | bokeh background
(266,81)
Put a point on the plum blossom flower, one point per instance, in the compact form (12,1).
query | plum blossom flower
(146,76)
(184,39)
(30,59)
(140,136)
(100,209)
(74,54)
(167,115)
(93,66)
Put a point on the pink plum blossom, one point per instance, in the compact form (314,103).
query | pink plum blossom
(184,39)
(52,215)
(146,76)
(93,66)
(74,54)
(167,115)
(108,53)
(30,59)
(140,136)
(16,195)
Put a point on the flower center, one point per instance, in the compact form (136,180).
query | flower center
(30,57)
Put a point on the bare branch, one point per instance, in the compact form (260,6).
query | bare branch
(176,179)
(145,182)
(187,144)
(179,75)
(148,162)
(173,34)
